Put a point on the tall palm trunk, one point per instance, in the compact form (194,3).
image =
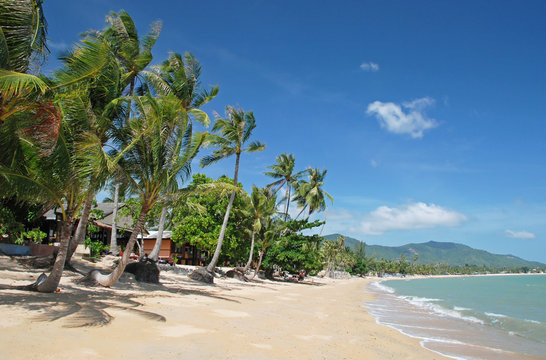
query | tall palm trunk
(113,277)
(52,281)
(247,266)
(81,229)
(259,264)
(286,208)
(157,247)
(214,261)
(300,212)
(114,234)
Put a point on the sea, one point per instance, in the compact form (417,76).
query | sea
(474,317)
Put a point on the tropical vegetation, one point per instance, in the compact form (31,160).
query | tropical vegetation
(110,118)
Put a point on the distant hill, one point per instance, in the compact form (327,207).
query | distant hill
(433,252)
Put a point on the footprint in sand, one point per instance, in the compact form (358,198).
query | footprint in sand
(230,313)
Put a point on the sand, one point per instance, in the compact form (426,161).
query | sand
(183,319)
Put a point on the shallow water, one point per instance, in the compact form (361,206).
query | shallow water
(468,318)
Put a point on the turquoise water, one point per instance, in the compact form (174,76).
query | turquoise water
(482,317)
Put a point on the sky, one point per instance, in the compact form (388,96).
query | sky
(428,115)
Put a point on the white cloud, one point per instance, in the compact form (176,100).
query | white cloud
(373,163)
(407,118)
(520,234)
(409,217)
(369,66)
(58,46)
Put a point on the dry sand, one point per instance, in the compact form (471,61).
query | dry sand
(182,319)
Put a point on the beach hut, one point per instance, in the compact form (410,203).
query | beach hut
(184,254)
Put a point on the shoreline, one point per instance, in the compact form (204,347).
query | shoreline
(320,318)
(445,330)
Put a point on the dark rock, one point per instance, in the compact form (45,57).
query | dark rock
(202,275)
(236,273)
(145,271)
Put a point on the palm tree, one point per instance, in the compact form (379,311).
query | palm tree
(262,206)
(270,232)
(163,147)
(283,170)
(133,55)
(181,79)
(235,131)
(309,194)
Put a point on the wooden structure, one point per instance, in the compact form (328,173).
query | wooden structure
(184,254)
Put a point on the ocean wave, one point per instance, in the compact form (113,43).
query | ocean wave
(385,288)
(427,304)
(532,321)
(496,315)
(459,308)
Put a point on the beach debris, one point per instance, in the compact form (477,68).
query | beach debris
(202,275)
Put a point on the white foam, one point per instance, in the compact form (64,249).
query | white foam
(495,315)
(382,287)
(428,305)
(532,321)
(459,308)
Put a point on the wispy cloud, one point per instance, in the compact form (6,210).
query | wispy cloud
(369,66)
(409,217)
(58,46)
(519,234)
(405,118)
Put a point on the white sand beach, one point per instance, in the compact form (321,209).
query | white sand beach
(318,319)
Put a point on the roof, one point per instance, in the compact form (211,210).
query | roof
(167,234)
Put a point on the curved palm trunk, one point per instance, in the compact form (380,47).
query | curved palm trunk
(155,252)
(114,234)
(113,277)
(259,264)
(81,230)
(247,266)
(214,261)
(52,281)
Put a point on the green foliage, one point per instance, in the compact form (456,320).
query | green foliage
(8,223)
(201,225)
(95,247)
(35,235)
(335,256)
(295,251)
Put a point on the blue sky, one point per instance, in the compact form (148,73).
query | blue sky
(428,115)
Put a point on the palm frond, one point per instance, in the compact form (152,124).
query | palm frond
(15,84)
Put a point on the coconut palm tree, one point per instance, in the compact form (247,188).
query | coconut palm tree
(283,170)
(179,77)
(163,147)
(235,131)
(133,54)
(262,206)
(271,230)
(309,194)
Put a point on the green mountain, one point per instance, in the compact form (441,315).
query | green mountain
(433,252)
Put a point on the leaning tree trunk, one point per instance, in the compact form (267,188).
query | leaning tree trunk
(96,278)
(114,234)
(247,266)
(52,281)
(216,256)
(300,212)
(157,247)
(259,264)
(81,230)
